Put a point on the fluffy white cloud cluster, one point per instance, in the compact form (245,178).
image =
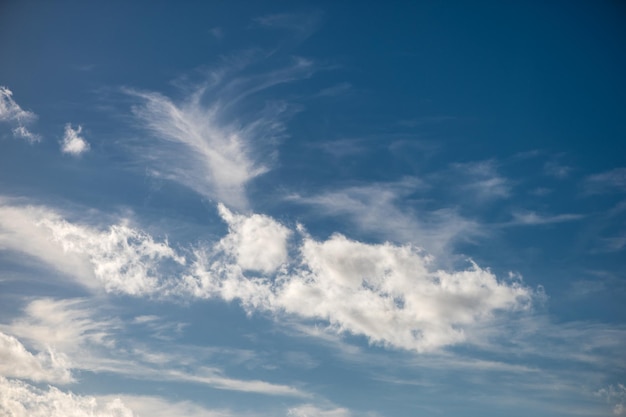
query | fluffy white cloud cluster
(11,112)
(124,259)
(72,142)
(385,292)
(120,258)
(19,399)
(256,242)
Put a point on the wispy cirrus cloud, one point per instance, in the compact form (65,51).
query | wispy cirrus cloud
(481,180)
(206,141)
(531,218)
(377,208)
(12,113)
(613,180)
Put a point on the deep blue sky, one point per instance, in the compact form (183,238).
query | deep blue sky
(312,209)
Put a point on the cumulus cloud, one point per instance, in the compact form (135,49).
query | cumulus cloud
(73,143)
(12,113)
(257,242)
(19,399)
(391,294)
(207,146)
(16,361)
(119,258)
(388,293)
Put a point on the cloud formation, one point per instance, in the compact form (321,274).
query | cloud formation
(11,112)
(388,293)
(17,362)
(73,143)
(376,208)
(19,399)
(391,294)
(204,143)
(119,258)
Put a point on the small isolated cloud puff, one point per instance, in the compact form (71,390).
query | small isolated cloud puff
(23,400)
(11,112)
(72,142)
(17,362)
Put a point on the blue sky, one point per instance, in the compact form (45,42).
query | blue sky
(312,209)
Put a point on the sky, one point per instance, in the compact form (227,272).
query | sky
(312,209)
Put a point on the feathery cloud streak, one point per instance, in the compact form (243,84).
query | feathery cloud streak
(203,144)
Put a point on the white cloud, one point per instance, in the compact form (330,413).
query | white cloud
(19,399)
(206,144)
(72,142)
(215,379)
(391,294)
(387,293)
(16,361)
(11,112)
(149,406)
(257,242)
(75,338)
(66,325)
(120,258)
